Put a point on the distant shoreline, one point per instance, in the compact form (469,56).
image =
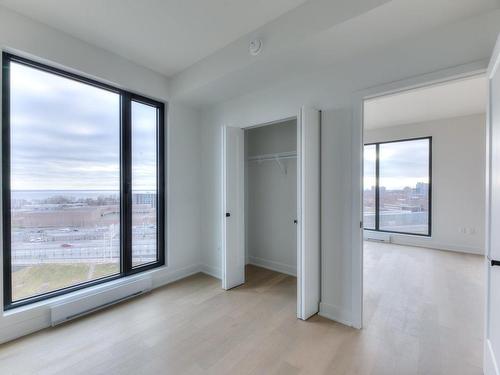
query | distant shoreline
(89,190)
(78,190)
(32,195)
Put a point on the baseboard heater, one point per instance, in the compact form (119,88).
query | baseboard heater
(377,236)
(83,305)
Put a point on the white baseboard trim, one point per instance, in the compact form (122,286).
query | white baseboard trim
(23,328)
(429,244)
(273,266)
(335,313)
(211,271)
(164,277)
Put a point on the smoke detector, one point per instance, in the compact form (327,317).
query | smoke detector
(255,47)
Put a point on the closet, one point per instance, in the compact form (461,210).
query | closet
(270,206)
(271,196)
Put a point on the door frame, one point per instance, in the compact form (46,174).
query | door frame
(357,100)
(489,361)
(301,291)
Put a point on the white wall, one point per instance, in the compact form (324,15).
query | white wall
(458,180)
(183,206)
(24,36)
(271,199)
(327,88)
(332,90)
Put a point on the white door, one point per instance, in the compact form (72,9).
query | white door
(308,231)
(492,337)
(233,202)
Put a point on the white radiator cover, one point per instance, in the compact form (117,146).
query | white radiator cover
(81,305)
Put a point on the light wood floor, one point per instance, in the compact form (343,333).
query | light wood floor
(425,309)
(423,315)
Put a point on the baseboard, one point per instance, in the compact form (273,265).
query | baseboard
(211,271)
(273,266)
(24,328)
(435,245)
(335,313)
(419,241)
(164,276)
(458,249)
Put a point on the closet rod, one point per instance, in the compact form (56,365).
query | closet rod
(276,156)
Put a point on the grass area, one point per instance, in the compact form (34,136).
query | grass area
(43,278)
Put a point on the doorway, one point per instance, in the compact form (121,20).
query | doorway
(271,208)
(271,197)
(424,221)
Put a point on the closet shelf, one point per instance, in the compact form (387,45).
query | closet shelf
(276,156)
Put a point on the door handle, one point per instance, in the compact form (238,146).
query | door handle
(295,221)
(228,214)
(493,262)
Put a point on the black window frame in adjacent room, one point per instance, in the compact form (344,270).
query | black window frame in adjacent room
(126,99)
(377,188)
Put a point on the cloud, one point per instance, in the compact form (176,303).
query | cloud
(401,164)
(65,135)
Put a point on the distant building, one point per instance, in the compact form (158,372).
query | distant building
(73,217)
(422,189)
(144,199)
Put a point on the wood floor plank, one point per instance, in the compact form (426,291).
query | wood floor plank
(423,315)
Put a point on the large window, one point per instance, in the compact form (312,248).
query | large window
(83,179)
(397,186)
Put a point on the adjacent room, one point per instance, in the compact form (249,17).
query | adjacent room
(424,202)
(250,187)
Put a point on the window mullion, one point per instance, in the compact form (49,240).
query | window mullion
(377,187)
(126,183)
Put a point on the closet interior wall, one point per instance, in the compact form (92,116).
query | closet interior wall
(271,196)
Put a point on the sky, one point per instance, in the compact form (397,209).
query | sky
(402,164)
(65,135)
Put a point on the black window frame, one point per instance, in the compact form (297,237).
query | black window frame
(126,99)
(377,188)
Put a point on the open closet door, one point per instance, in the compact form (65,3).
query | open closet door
(308,257)
(492,337)
(233,202)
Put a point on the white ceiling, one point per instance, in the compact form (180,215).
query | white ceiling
(164,35)
(202,45)
(343,34)
(448,100)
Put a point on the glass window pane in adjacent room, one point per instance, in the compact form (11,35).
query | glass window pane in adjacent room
(144,184)
(369,183)
(65,182)
(404,186)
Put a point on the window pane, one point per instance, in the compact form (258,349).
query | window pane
(369,182)
(65,178)
(144,191)
(404,186)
